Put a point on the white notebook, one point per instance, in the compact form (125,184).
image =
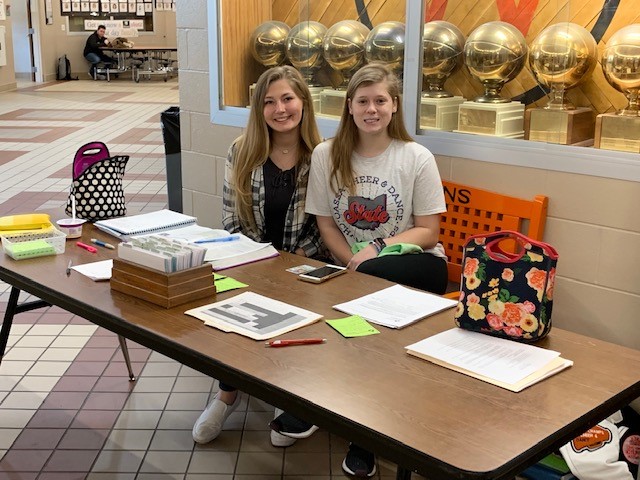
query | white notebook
(144,223)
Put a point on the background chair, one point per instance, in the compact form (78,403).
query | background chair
(472,211)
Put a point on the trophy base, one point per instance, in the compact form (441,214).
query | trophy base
(332,101)
(617,132)
(315,97)
(439,113)
(252,89)
(504,120)
(565,127)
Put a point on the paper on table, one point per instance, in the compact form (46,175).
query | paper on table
(96,271)
(227,283)
(221,250)
(254,315)
(192,233)
(353,326)
(496,358)
(396,306)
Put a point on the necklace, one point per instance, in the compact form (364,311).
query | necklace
(285,150)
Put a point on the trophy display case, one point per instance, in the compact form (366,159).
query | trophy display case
(546,73)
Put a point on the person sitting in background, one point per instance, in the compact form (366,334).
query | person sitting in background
(265,187)
(93,50)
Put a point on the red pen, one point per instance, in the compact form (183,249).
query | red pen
(294,341)
(89,248)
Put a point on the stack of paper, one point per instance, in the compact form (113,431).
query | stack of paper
(241,250)
(161,253)
(396,306)
(505,363)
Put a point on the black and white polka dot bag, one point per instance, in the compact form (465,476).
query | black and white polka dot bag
(97,183)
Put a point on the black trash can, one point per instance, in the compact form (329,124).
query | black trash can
(170,121)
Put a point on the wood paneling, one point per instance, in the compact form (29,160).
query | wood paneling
(238,20)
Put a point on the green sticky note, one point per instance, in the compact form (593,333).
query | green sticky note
(217,276)
(226,283)
(32,248)
(353,326)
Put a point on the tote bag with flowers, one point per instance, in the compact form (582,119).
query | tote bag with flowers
(507,286)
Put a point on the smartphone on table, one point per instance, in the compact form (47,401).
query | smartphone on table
(322,274)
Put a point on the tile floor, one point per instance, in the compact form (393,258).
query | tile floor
(67,409)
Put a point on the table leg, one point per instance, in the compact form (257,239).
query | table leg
(127,360)
(402,473)
(12,309)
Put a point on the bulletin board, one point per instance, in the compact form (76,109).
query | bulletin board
(139,8)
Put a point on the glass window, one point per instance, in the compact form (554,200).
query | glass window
(530,72)
(327,41)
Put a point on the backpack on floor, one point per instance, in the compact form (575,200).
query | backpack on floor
(63,69)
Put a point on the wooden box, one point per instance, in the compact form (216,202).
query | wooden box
(164,289)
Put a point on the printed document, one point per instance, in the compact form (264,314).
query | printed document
(506,363)
(397,306)
(254,316)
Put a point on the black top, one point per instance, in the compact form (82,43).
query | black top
(279,187)
(94,42)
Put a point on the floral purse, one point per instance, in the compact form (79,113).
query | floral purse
(507,294)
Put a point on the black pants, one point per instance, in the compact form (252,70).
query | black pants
(419,270)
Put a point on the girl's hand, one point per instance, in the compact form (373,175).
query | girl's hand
(366,253)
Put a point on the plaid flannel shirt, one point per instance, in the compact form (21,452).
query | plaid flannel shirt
(300,229)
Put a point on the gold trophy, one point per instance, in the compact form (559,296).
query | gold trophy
(304,51)
(442,44)
(304,48)
(385,44)
(343,46)
(494,54)
(561,56)
(621,66)
(268,46)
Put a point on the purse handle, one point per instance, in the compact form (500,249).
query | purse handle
(87,155)
(495,252)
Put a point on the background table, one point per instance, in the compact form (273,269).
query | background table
(421,416)
(154,61)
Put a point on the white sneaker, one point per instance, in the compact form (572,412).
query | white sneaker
(209,424)
(277,439)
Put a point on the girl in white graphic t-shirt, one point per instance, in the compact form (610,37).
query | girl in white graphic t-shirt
(373,187)
(375,191)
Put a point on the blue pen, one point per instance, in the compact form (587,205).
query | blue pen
(230,238)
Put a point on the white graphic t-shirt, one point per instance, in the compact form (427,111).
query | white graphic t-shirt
(390,188)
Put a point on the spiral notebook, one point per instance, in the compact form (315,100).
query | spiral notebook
(145,223)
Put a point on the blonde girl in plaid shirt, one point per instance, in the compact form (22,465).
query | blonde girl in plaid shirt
(267,169)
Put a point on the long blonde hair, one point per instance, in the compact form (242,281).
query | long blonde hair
(347,135)
(253,147)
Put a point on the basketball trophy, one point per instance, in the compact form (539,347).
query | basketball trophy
(385,44)
(442,44)
(343,46)
(561,57)
(304,51)
(494,54)
(268,44)
(621,66)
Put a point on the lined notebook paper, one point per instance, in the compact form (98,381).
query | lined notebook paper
(152,222)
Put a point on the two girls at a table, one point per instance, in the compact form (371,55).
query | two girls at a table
(376,196)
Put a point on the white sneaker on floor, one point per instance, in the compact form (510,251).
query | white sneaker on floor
(210,422)
(277,439)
